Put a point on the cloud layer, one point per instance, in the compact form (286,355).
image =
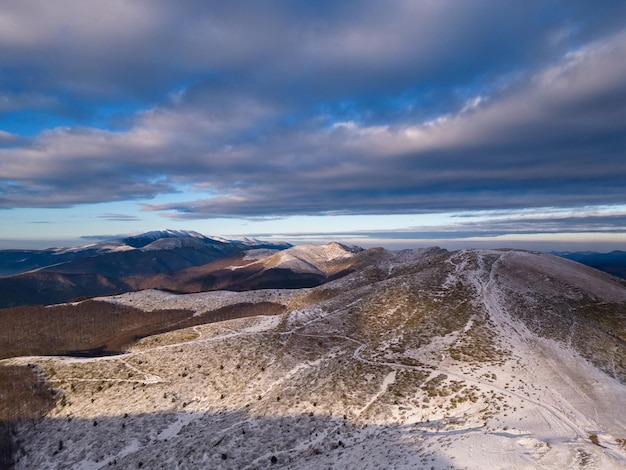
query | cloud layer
(282,108)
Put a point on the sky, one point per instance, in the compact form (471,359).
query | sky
(397,123)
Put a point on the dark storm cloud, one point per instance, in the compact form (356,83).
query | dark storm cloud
(283,108)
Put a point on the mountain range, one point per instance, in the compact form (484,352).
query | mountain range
(361,359)
(183,262)
(114,266)
(145,253)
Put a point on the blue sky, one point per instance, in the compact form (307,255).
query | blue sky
(399,123)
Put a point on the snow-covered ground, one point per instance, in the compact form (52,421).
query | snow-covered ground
(149,300)
(426,368)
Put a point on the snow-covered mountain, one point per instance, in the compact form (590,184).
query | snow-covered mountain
(312,258)
(59,275)
(57,259)
(475,359)
(143,240)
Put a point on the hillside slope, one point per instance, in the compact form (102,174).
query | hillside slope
(418,359)
(295,267)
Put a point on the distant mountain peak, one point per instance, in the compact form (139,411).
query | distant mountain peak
(143,239)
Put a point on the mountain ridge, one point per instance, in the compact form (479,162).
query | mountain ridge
(412,359)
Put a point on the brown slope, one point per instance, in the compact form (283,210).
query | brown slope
(47,288)
(94,328)
(296,267)
(227,274)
